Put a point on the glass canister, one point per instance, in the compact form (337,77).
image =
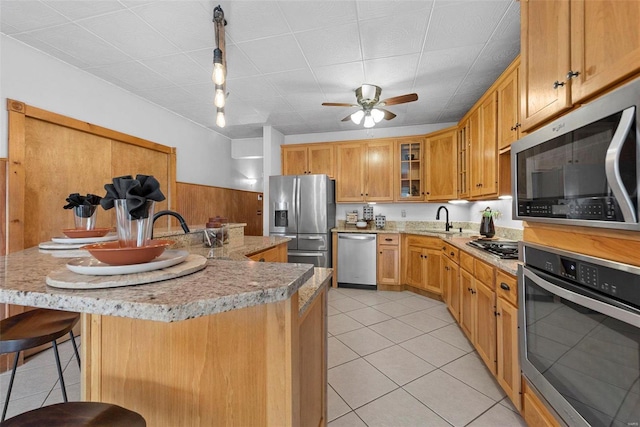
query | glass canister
(216,232)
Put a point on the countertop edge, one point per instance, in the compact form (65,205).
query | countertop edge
(310,290)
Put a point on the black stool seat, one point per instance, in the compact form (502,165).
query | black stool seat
(77,414)
(33,328)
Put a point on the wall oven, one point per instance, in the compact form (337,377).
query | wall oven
(582,169)
(579,320)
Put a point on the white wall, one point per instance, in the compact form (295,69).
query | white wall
(272,166)
(42,81)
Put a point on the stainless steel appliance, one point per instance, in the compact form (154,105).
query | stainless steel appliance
(303,208)
(582,169)
(505,249)
(579,322)
(357,259)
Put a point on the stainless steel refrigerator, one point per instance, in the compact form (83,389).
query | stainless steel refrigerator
(303,208)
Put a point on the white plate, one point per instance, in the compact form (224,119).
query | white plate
(93,267)
(85,240)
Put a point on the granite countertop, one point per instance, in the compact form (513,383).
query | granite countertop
(224,285)
(308,292)
(507,265)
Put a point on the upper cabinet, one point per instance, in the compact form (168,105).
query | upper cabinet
(441,173)
(508,107)
(411,165)
(365,171)
(483,150)
(308,159)
(571,51)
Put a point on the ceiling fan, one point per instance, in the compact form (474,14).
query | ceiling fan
(368,98)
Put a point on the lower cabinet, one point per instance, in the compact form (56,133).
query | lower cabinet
(423,267)
(508,366)
(274,254)
(388,262)
(451,286)
(534,412)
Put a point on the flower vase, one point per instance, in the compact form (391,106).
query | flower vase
(487,228)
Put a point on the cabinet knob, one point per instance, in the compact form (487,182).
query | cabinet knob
(380,252)
(452,254)
(571,74)
(261,260)
(505,286)
(557,84)
(444,248)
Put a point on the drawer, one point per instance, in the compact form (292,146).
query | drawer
(275,254)
(504,280)
(451,252)
(483,272)
(466,261)
(388,239)
(424,241)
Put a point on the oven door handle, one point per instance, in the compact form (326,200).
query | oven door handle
(612,165)
(599,306)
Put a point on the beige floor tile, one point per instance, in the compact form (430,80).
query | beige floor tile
(399,409)
(394,296)
(368,316)
(498,416)
(334,295)
(347,304)
(348,420)
(364,341)
(394,309)
(73,394)
(358,383)
(29,382)
(336,407)
(331,311)
(341,323)
(419,303)
(507,403)
(370,298)
(338,353)
(28,403)
(471,370)
(396,330)
(421,320)
(448,397)
(399,364)
(452,334)
(433,350)
(441,312)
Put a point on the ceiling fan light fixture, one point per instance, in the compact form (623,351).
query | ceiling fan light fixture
(219,99)
(368,121)
(377,115)
(357,117)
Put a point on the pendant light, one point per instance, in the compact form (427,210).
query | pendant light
(219,98)
(219,74)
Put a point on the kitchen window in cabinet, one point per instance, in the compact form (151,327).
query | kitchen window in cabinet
(410,155)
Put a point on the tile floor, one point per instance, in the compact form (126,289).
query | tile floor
(399,359)
(395,359)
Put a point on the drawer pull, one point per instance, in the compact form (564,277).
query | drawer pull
(261,259)
(505,286)
(388,239)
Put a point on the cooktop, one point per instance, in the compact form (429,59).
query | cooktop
(505,249)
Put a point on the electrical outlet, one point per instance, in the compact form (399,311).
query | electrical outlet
(403,213)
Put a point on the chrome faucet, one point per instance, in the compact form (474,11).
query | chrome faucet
(176,215)
(447,225)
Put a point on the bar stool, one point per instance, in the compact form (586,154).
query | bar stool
(77,414)
(32,329)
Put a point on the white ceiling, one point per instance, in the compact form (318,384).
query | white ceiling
(285,58)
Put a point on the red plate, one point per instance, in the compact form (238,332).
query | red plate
(111,253)
(80,234)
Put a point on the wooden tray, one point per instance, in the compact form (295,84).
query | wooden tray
(66,279)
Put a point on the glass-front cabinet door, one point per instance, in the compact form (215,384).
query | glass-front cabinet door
(411,160)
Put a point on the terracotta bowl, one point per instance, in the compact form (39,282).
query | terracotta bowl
(74,233)
(111,253)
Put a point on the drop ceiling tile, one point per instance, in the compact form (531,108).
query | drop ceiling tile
(455,24)
(35,43)
(276,104)
(303,16)
(448,62)
(167,97)
(133,75)
(135,3)
(186,24)
(340,78)
(250,88)
(274,54)
(311,101)
(509,27)
(294,82)
(399,34)
(74,9)
(29,15)
(495,56)
(130,34)
(294,129)
(202,92)
(436,87)
(334,45)
(7,29)
(180,69)
(395,75)
(77,42)
(250,20)
(284,119)
(368,9)
(238,65)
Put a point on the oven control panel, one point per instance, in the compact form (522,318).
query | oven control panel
(617,280)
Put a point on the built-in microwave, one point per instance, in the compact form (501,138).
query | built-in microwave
(582,169)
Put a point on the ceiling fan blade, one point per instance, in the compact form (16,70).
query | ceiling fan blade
(410,97)
(346,119)
(388,115)
(338,104)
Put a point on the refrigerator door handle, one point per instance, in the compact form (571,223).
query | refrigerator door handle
(296,199)
(310,237)
(316,254)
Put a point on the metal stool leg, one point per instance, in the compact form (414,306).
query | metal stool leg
(64,390)
(75,348)
(13,374)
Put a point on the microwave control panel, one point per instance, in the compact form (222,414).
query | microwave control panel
(596,208)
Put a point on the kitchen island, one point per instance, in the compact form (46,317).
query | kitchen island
(238,343)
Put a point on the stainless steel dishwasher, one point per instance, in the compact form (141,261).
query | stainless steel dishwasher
(357,259)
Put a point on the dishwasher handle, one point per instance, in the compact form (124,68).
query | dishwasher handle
(356,237)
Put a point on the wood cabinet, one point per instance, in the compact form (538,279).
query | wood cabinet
(411,163)
(275,254)
(388,262)
(534,412)
(308,159)
(508,107)
(467,306)
(451,286)
(365,171)
(508,364)
(423,258)
(441,171)
(462,160)
(484,149)
(573,50)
